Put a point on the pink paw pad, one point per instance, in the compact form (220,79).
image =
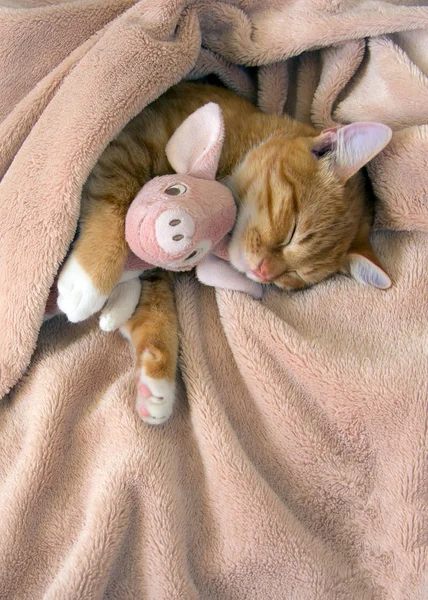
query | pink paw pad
(144,390)
(142,410)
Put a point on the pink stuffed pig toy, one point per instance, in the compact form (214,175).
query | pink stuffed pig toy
(182,220)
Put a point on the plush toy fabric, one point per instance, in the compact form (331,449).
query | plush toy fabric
(183,220)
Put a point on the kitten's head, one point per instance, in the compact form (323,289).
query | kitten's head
(298,223)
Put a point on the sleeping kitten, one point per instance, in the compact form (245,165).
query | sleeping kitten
(302,217)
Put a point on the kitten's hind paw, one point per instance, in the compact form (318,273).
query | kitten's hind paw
(155,397)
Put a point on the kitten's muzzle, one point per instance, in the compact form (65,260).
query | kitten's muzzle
(262,272)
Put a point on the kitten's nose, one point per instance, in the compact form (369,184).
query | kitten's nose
(262,272)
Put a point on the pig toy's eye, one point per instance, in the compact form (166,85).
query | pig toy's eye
(177,189)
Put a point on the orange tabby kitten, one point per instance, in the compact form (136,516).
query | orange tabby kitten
(302,217)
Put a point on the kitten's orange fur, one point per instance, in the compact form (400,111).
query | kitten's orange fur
(267,161)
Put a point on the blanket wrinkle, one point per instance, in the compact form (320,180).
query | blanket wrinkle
(261,40)
(295,463)
(409,82)
(232,76)
(272,97)
(413,44)
(339,65)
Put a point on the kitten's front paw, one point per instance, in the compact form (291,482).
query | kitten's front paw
(78,298)
(155,399)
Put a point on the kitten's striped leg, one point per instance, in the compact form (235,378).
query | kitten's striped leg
(153,332)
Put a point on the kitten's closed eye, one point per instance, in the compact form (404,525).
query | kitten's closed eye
(290,236)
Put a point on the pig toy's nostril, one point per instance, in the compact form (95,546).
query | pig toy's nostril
(175,222)
(177,238)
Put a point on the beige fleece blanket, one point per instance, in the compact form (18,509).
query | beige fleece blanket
(295,466)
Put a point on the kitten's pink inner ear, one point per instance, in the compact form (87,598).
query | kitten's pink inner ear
(365,271)
(352,146)
(196,145)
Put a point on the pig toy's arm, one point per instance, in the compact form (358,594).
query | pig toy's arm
(216,272)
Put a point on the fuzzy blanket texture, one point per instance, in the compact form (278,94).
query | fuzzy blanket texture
(295,465)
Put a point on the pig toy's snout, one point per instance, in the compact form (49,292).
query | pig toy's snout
(174,235)
(174,230)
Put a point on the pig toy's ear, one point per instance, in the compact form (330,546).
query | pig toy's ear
(195,147)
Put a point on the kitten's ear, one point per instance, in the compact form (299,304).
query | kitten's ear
(364,266)
(195,147)
(350,147)
(365,270)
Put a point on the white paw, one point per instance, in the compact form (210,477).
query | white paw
(78,298)
(155,398)
(121,305)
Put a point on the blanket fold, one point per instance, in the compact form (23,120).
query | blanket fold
(295,463)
